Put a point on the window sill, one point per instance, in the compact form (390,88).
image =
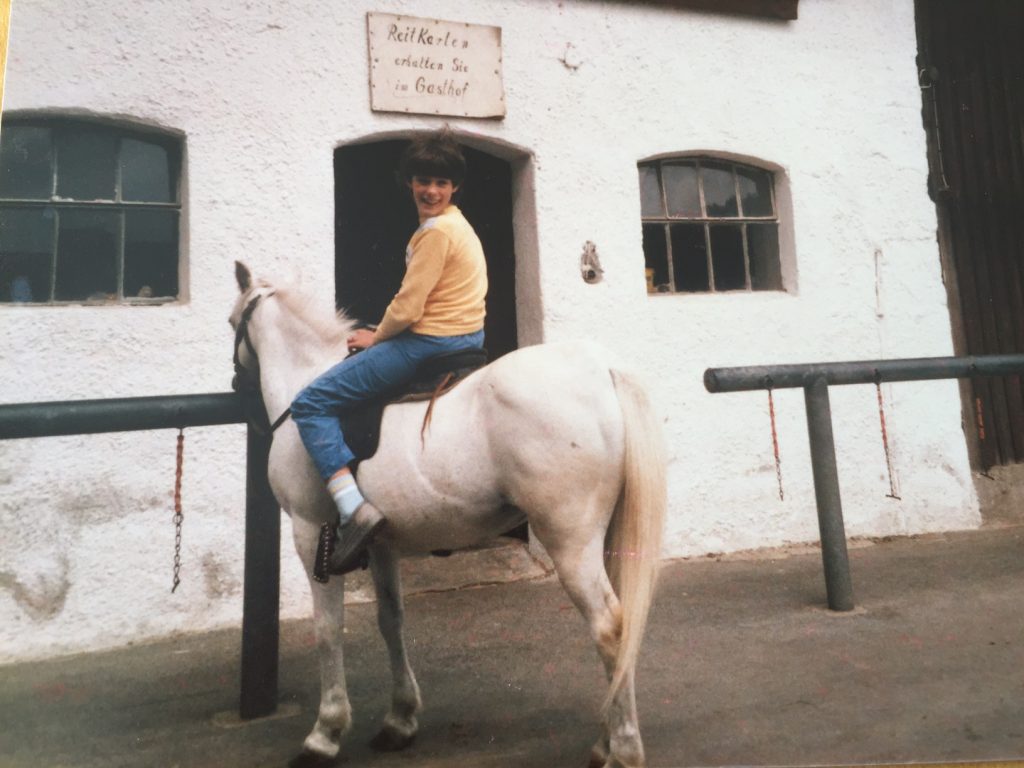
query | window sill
(94,303)
(655,294)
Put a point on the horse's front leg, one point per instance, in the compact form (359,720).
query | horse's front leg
(400,724)
(335,715)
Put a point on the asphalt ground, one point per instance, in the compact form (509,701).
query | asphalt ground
(742,665)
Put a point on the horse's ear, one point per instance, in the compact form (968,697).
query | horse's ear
(243,276)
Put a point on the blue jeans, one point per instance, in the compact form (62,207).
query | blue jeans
(376,371)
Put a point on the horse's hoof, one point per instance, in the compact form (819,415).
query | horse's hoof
(314,760)
(390,740)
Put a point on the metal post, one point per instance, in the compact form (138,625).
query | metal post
(826,490)
(261,595)
(815,379)
(260,602)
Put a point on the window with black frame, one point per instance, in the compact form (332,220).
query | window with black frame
(89,212)
(709,225)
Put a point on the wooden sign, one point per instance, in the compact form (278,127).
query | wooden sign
(434,67)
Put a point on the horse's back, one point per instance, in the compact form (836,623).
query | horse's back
(539,425)
(565,386)
(547,365)
(552,412)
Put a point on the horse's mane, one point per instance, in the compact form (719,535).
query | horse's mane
(333,327)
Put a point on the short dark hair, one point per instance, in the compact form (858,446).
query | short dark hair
(435,154)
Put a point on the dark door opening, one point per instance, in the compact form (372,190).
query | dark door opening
(375,217)
(971,69)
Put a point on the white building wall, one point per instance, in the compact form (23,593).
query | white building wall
(265,91)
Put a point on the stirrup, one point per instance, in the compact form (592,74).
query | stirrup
(324,550)
(350,548)
(327,544)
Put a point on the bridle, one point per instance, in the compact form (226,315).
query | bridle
(247,384)
(244,380)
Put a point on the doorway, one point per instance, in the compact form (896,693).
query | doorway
(971,66)
(375,217)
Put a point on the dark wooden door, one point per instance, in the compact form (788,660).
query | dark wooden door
(971,68)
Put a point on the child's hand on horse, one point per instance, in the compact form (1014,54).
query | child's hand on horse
(360,339)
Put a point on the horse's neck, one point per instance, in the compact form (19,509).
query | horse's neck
(291,355)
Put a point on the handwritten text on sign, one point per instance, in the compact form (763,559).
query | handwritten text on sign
(434,67)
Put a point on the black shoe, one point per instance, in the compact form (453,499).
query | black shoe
(349,552)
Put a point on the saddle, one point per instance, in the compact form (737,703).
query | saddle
(434,377)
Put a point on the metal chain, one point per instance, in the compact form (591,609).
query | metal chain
(892,494)
(979,412)
(178,517)
(775,438)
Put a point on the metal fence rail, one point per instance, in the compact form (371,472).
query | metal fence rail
(860,372)
(815,379)
(79,417)
(261,593)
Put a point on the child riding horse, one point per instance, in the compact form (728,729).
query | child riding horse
(438,308)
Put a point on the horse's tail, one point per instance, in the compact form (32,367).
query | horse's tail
(634,537)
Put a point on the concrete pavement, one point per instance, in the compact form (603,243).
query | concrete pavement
(742,666)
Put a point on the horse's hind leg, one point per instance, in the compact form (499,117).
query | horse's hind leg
(400,724)
(582,573)
(335,714)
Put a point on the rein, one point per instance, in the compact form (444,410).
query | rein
(248,385)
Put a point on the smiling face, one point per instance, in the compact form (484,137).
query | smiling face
(432,194)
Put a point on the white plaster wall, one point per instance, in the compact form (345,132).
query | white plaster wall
(264,91)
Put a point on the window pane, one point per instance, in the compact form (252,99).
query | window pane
(727,258)
(689,257)
(656,258)
(719,190)
(146,172)
(755,191)
(763,248)
(26,157)
(150,254)
(650,192)
(86,164)
(87,255)
(26,251)
(681,190)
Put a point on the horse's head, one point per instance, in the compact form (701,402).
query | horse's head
(313,334)
(251,292)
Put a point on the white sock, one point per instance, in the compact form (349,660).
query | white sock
(347,497)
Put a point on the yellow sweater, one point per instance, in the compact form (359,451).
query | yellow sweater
(442,293)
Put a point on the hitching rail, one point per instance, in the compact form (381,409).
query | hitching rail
(261,594)
(815,379)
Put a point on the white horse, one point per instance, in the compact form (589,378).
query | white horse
(549,434)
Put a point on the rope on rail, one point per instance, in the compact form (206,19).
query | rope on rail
(775,436)
(892,494)
(178,517)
